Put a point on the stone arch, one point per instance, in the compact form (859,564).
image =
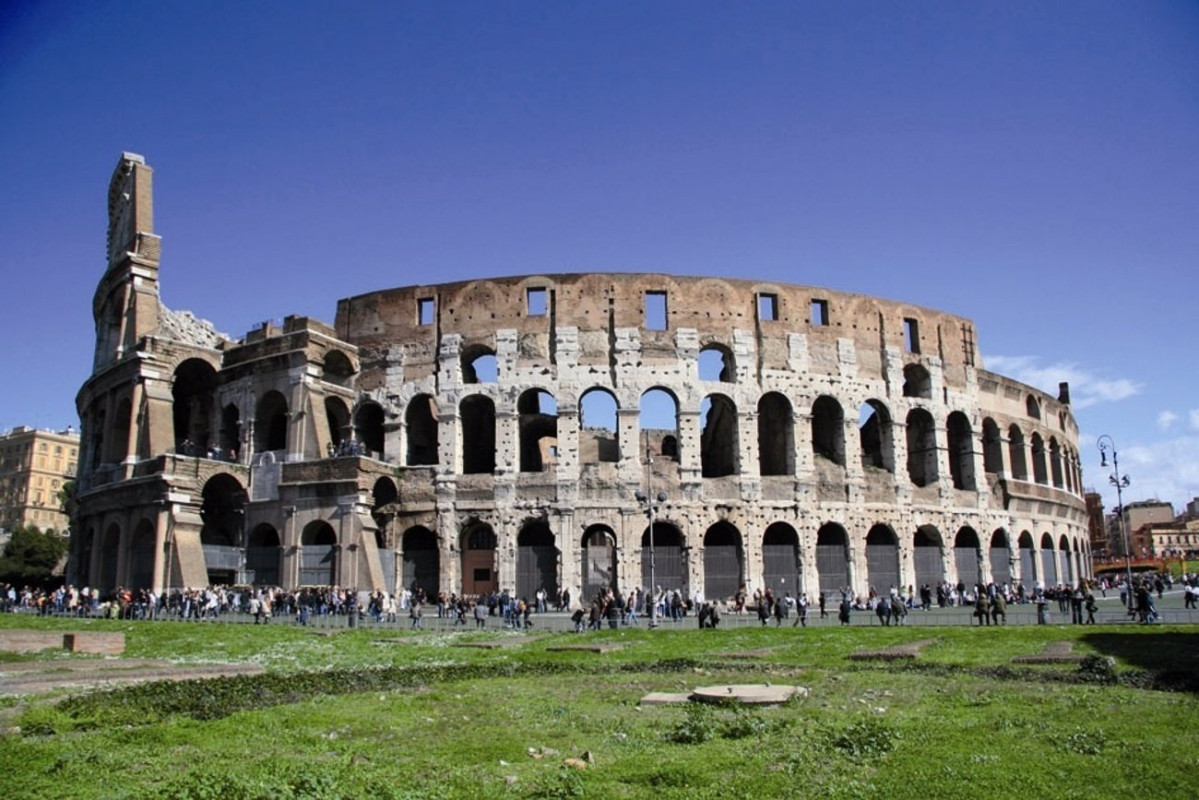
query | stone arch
(776,435)
(222,509)
(966,557)
(876,436)
(1028,569)
(1040,473)
(193,393)
(142,550)
(337,369)
(1016,456)
(262,556)
(669,564)
(927,547)
(917,382)
(992,447)
(1055,463)
(270,422)
(420,569)
(922,447)
(230,432)
(781,568)
(960,438)
(479,566)
(479,364)
(658,419)
(1032,407)
(110,556)
(716,363)
(368,429)
(538,412)
(1000,556)
(318,554)
(477,418)
(724,561)
(385,504)
(598,552)
(420,422)
(832,558)
(828,429)
(882,560)
(337,415)
(118,440)
(1049,573)
(718,436)
(599,434)
(536,561)
(1065,564)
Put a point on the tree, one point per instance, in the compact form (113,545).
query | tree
(31,555)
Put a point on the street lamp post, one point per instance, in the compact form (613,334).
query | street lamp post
(1106,443)
(648,498)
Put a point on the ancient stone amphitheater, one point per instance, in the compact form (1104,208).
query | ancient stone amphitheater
(562,432)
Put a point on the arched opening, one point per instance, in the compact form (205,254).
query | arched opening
(538,430)
(110,554)
(599,439)
(479,546)
(776,435)
(385,504)
(1028,570)
(231,432)
(1019,464)
(421,567)
(477,418)
(1040,473)
(724,565)
(338,369)
(961,451)
(599,562)
(1049,573)
(141,556)
(368,429)
(193,402)
(270,423)
(1065,565)
(832,559)
(670,568)
(926,557)
(536,561)
(882,560)
(966,557)
(318,554)
(718,436)
(716,364)
(222,510)
(337,416)
(118,439)
(922,447)
(828,430)
(420,421)
(1000,556)
(917,382)
(1032,407)
(875,436)
(781,570)
(262,556)
(479,365)
(992,447)
(658,420)
(1055,462)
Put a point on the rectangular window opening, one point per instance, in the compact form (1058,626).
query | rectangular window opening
(425,310)
(655,311)
(768,307)
(536,301)
(911,335)
(820,312)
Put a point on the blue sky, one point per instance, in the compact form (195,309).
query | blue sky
(1032,166)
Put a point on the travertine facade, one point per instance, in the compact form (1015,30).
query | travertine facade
(497,433)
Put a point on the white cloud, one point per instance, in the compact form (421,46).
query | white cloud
(1166,420)
(1086,388)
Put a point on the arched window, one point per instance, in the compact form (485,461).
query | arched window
(716,364)
(718,436)
(420,423)
(599,437)
(776,435)
(477,418)
(922,447)
(270,423)
(659,421)
(479,365)
(1016,453)
(917,382)
(828,430)
(875,436)
(538,430)
(1040,472)
(368,429)
(961,450)
(193,403)
(992,447)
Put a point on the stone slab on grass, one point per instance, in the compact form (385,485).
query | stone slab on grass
(665,698)
(899,652)
(18,641)
(587,648)
(1054,653)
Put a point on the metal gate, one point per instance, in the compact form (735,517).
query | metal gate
(536,568)
(882,567)
(722,571)
(1028,574)
(318,565)
(832,567)
(929,569)
(966,561)
(1001,569)
(262,566)
(668,568)
(780,569)
(1048,573)
(387,561)
(599,569)
(1067,568)
(420,570)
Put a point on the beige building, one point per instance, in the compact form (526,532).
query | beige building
(505,433)
(34,465)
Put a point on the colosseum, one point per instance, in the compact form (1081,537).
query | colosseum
(573,431)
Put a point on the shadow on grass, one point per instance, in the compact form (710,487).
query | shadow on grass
(1171,656)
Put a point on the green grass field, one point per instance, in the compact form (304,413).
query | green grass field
(373,714)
